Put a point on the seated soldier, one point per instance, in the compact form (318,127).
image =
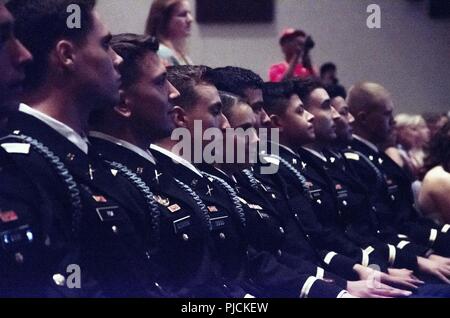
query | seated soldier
(371,105)
(313,177)
(123,135)
(90,220)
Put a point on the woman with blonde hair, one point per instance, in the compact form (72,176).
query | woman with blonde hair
(170,21)
(412,136)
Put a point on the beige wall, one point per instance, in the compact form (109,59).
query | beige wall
(410,54)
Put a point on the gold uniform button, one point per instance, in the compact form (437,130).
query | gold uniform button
(281,230)
(344,203)
(185,237)
(115,229)
(222,236)
(279,252)
(319,201)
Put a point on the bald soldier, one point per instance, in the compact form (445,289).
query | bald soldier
(372,107)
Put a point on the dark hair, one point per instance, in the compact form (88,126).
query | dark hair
(159,17)
(438,152)
(303,88)
(39,24)
(229,100)
(326,67)
(288,37)
(276,97)
(336,90)
(235,80)
(185,78)
(132,48)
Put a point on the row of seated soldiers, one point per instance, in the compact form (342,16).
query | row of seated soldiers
(91,177)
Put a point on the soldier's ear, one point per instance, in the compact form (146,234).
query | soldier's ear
(179,117)
(276,122)
(124,108)
(64,55)
(361,117)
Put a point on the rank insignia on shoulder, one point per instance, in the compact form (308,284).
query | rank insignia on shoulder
(303,165)
(294,161)
(139,170)
(17,147)
(174,208)
(212,208)
(99,198)
(8,216)
(351,156)
(162,201)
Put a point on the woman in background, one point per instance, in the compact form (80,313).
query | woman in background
(170,21)
(412,136)
(434,198)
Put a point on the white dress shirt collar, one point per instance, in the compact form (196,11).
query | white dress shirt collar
(143,153)
(61,128)
(176,158)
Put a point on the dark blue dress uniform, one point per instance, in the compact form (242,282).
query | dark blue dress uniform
(227,223)
(303,229)
(359,216)
(395,201)
(324,219)
(89,219)
(184,247)
(24,259)
(347,211)
(276,267)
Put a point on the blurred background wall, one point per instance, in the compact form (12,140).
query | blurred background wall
(410,54)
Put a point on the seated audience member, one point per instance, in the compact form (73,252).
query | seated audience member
(296,47)
(412,136)
(434,199)
(123,135)
(372,107)
(89,217)
(170,21)
(328,77)
(247,85)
